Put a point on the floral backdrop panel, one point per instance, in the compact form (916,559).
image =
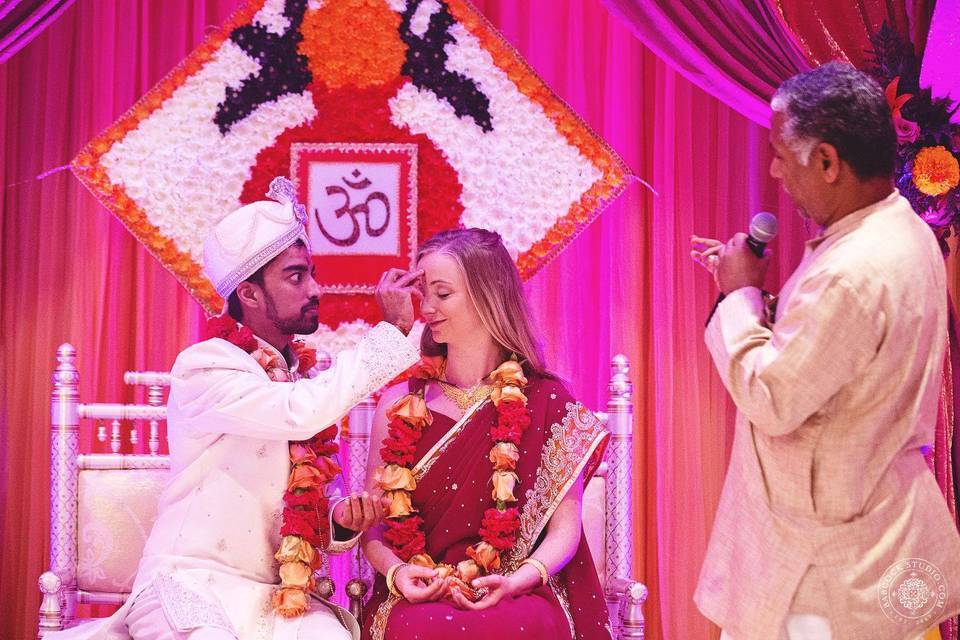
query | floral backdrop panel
(396,119)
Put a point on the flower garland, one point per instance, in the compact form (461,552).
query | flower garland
(928,152)
(408,417)
(306,507)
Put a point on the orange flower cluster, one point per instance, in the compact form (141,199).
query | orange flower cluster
(305,529)
(353,43)
(577,133)
(936,171)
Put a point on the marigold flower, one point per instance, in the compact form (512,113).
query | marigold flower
(935,171)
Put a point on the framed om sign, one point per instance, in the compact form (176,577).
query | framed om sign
(361,201)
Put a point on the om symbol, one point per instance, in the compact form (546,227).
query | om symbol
(346,209)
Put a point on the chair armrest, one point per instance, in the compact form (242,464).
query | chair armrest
(51,616)
(630,596)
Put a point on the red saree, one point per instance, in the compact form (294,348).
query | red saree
(563,441)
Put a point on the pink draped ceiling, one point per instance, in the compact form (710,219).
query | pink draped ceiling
(70,272)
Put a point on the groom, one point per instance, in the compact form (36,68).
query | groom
(236,402)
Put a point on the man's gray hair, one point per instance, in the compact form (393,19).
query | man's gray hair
(841,106)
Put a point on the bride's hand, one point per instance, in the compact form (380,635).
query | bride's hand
(419,584)
(499,588)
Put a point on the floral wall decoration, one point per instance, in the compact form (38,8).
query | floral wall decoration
(928,153)
(395,118)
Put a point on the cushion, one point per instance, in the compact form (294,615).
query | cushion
(115,514)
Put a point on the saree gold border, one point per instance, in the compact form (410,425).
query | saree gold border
(547,498)
(421,468)
(560,591)
(378,628)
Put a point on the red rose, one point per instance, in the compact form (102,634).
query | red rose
(499,528)
(220,327)
(306,356)
(394,453)
(405,537)
(300,522)
(243,338)
(309,498)
(512,420)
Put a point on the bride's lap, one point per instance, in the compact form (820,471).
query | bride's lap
(529,616)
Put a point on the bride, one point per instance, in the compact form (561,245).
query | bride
(483,455)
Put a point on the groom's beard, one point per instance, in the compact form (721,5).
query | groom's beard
(300,324)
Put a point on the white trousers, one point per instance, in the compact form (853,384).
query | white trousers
(806,626)
(147,621)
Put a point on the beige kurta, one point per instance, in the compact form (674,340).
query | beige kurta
(209,556)
(827,488)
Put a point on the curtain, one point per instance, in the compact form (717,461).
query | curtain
(737,51)
(70,272)
(22,20)
(841,30)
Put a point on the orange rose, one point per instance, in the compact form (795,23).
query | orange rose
(295,574)
(400,504)
(266,359)
(504,456)
(300,454)
(423,560)
(508,393)
(290,603)
(503,484)
(444,570)
(509,373)
(304,476)
(486,556)
(428,367)
(393,477)
(295,548)
(279,374)
(327,467)
(412,409)
(468,570)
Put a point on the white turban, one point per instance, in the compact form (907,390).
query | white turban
(253,235)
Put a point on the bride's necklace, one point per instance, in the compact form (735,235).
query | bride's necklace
(463,398)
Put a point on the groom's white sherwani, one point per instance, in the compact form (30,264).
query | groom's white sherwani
(209,559)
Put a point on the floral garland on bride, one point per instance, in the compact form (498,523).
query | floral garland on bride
(305,528)
(408,417)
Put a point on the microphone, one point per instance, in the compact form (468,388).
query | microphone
(763,229)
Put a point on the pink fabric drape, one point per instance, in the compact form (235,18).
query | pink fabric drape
(737,51)
(22,20)
(841,30)
(70,272)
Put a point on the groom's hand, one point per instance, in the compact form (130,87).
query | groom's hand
(359,513)
(395,293)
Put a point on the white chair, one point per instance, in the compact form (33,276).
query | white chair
(102,506)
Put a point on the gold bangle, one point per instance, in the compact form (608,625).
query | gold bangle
(540,567)
(391,575)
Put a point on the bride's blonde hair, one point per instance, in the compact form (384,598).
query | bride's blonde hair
(494,287)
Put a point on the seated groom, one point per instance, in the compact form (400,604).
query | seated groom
(244,520)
